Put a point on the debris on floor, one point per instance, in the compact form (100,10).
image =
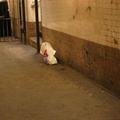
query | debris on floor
(48,53)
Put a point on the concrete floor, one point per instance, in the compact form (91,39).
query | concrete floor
(32,90)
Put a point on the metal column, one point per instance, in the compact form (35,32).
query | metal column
(37,26)
(24,21)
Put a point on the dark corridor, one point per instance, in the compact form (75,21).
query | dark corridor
(5,21)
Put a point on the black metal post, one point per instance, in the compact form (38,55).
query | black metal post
(24,21)
(20,20)
(37,26)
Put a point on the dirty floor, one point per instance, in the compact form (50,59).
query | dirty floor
(32,90)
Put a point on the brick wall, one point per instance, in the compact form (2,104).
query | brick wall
(93,20)
(31,29)
(30,19)
(86,35)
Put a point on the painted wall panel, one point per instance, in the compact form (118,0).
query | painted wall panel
(94,20)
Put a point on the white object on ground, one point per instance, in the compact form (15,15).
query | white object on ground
(48,53)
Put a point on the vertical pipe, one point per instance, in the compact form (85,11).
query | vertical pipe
(13,17)
(24,20)
(37,26)
(3,28)
(20,20)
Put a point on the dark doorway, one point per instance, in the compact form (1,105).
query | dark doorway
(5,21)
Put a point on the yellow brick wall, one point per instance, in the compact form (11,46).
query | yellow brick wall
(86,36)
(93,20)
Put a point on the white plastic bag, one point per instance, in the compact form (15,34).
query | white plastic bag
(48,53)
